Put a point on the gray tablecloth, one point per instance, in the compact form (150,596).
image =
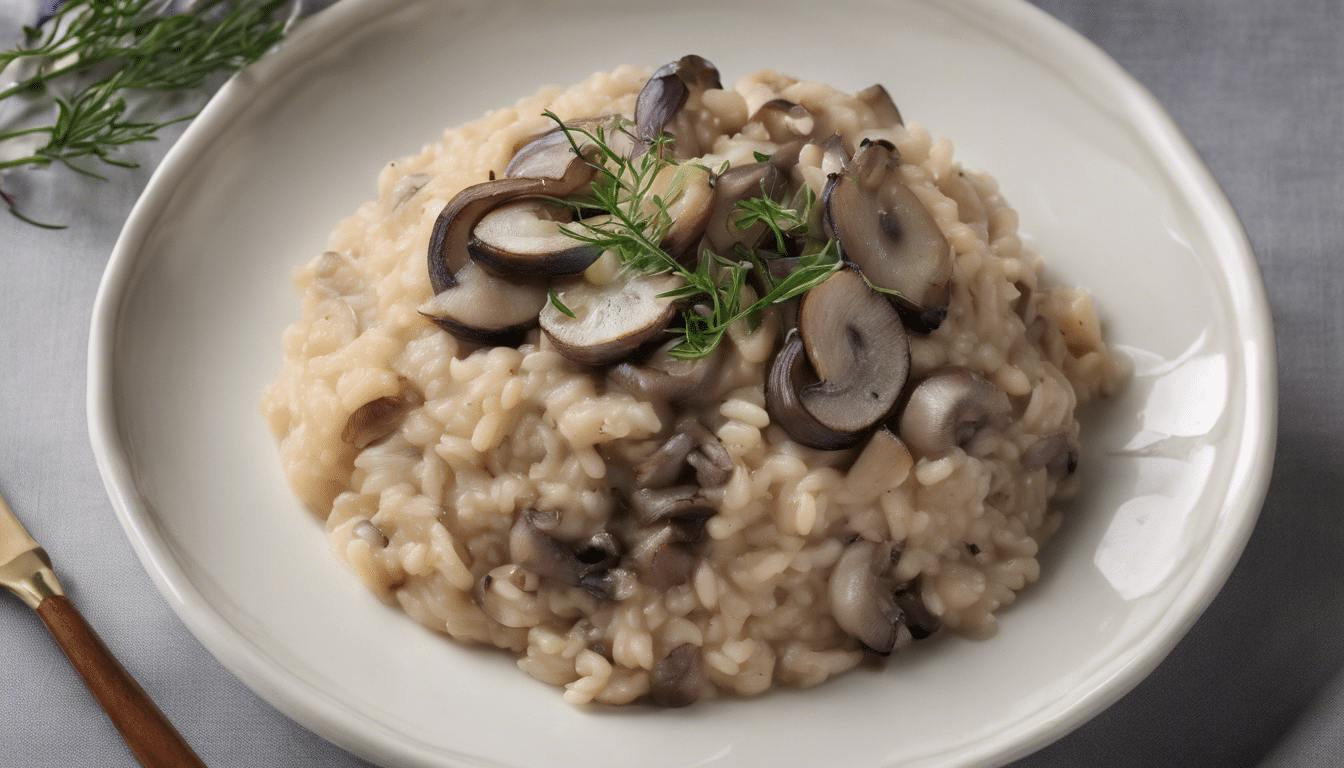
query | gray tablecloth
(1259,88)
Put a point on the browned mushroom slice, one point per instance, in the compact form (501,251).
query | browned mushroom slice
(948,409)
(918,618)
(678,679)
(784,120)
(862,592)
(667,464)
(739,183)
(690,446)
(687,194)
(548,156)
(609,322)
(532,546)
(659,104)
(886,232)
(834,156)
(377,418)
(484,309)
(859,353)
(883,464)
(789,374)
(877,98)
(672,565)
(469,302)
(528,238)
(663,378)
(1054,453)
(683,502)
(712,463)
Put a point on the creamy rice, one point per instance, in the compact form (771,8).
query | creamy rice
(423,514)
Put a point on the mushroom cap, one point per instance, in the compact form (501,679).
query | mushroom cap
(741,182)
(528,238)
(484,309)
(610,321)
(858,349)
(677,680)
(888,234)
(688,193)
(549,155)
(948,408)
(884,108)
(883,464)
(377,418)
(469,302)
(861,591)
(784,120)
(682,502)
(662,98)
(789,373)
(663,378)
(1054,453)
(534,548)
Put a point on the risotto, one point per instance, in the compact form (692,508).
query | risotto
(676,391)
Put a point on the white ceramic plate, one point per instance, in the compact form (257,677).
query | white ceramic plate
(187,325)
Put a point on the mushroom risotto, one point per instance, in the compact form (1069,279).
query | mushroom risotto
(677,391)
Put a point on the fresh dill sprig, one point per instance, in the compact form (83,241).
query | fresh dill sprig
(635,221)
(108,49)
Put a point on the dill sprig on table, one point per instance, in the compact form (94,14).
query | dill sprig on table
(637,219)
(105,50)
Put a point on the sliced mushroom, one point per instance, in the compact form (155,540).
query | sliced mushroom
(469,302)
(1054,453)
(834,156)
(683,503)
(507,594)
(660,103)
(862,592)
(536,550)
(739,183)
(667,464)
(672,565)
(548,156)
(378,418)
(691,445)
(528,238)
(609,322)
(712,463)
(484,309)
(678,679)
(877,98)
(687,194)
(886,232)
(784,120)
(883,464)
(789,374)
(948,409)
(860,356)
(660,377)
(918,618)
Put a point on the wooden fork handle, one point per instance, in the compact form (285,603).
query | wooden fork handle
(151,738)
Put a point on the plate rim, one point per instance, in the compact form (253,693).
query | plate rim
(334,721)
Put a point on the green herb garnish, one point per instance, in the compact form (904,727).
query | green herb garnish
(560,305)
(637,219)
(104,50)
